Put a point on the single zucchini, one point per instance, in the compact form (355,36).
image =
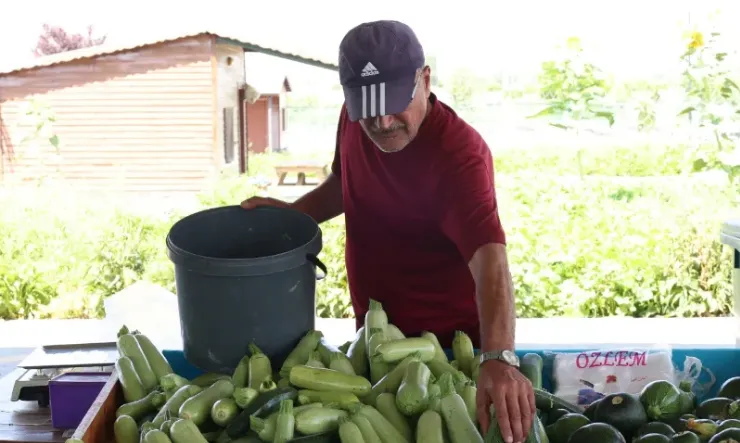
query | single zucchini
(463,351)
(318,420)
(349,432)
(146,427)
(156,436)
(198,407)
(131,384)
(259,367)
(140,408)
(412,397)
(340,362)
(397,350)
(268,384)
(531,366)
(378,368)
(369,435)
(209,378)
(170,383)
(299,355)
(325,349)
(262,406)
(468,394)
(393,332)
(158,363)
(357,353)
(439,353)
(172,407)
(285,423)
(430,428)
(475,368)
(375,318)
(386,405)
(240,377)
(185,431)
(459,425)
(386,431)
(546,402)
(307,396)
(244,396)
(126,430)
(439,367)
(391,381)
(223,411)
(314,360)
(128,346)
(321,379)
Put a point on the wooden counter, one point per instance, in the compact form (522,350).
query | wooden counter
(25,421)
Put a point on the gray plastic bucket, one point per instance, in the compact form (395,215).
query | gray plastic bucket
(244,276)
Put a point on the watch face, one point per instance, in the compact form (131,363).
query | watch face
(510,358)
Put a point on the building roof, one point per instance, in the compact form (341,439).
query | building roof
(278,45)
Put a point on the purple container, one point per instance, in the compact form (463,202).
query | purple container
(71,394)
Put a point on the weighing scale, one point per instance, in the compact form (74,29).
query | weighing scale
(47,362)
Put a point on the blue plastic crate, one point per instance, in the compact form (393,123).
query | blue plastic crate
(723,362)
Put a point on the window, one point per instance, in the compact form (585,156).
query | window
(228,135)
(283,118)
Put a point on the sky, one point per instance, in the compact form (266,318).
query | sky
(630,37)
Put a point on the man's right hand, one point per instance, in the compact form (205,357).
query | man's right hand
(254,202)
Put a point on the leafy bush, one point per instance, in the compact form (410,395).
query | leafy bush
(638,246)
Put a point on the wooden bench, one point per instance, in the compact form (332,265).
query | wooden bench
(302,169)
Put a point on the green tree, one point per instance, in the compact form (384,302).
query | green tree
(712,103)
(573,89)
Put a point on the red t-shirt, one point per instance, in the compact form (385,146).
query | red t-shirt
(414,219)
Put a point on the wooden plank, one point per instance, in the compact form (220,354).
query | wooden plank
(97,425)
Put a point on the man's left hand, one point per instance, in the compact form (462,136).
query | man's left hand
(512,396)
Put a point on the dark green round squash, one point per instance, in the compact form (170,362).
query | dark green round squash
(623,411)
(730,388)
(714,408)
(555,414)
(731,435)
(566,425)
(597,432)
(591,408)
(655,427)
(661,400)
(653,438)
(728,424)
(685,437)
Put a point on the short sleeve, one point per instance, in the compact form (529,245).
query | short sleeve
(336,164)
(469,214)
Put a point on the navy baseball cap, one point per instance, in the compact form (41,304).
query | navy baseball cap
(378,64)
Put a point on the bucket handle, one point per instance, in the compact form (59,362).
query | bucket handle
(318,264)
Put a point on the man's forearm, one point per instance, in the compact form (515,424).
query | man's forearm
(495,297)
(324,202)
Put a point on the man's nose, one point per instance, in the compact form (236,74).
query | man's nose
(384,121)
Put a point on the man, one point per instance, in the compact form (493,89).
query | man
(415,183)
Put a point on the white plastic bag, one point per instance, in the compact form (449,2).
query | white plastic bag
(691,372)
(583,377)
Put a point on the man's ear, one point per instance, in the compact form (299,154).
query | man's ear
(426,74)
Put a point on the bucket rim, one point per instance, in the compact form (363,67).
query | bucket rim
(247,261)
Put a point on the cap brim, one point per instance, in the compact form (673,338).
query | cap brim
(376,99)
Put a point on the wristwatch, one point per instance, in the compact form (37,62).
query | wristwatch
(506,356)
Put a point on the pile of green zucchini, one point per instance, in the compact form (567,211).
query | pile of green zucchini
(383,387)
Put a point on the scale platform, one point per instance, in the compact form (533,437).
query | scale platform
(47,362)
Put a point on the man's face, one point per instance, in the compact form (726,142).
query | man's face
(392,133)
